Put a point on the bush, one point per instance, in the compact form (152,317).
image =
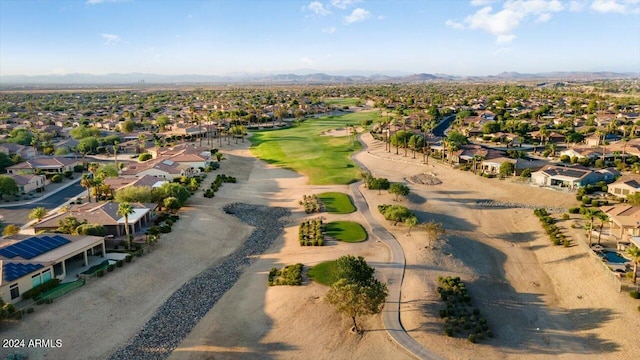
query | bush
(565,216)
(634,294)
(574,210)
(119,263)
(100,273)
(34,292)
(68,174)
(57,178)
(127,258)
(110,267)
(472,338)
(144,157)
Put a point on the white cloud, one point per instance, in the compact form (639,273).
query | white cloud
(318,8)
(503,23)
(343,4)
(481,2)
(505,39)
(543,17)
(606,6)
(329,30)
(576,6)
(382,17)
(111,38)
(357,15)
(454,25)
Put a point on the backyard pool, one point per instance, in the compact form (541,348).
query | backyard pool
(613,257)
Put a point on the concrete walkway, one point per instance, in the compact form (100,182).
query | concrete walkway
(394,275)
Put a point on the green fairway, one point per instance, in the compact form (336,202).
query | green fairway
(324,159)
(342,101)
(347,231)
(323,273)
(337,203)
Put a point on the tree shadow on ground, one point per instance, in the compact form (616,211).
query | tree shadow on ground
(521,321)
(519,237)
(416,199)
(451,222)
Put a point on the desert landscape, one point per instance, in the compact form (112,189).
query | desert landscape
(541,301)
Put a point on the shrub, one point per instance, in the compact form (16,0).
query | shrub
(127,258)
(574,210)
(110,267)
(57,178)
(68,174)
(565,216)
(78,168)
(100,273)
(119,263)
(634,294)
(34,292)
(472,338)
(144,157)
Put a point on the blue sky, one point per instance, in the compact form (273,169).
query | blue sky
(478,37)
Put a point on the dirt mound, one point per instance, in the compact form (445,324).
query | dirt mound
(424,179)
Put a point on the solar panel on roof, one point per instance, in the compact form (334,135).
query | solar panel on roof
(7,253)
(33,246)
(13,271)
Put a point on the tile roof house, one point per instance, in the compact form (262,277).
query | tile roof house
(28,262)
(571,177)
(121,182)
(29,182)
(48,165)
(624,217)
(25,152)
(625,185)
(105,214)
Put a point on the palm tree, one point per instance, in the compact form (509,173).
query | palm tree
(634,253)
(38,213)
(603,220)
(125,209)
(87,182)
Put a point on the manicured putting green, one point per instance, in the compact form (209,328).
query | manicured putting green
(347,231)
(337,203)
(324,159)
(324,273)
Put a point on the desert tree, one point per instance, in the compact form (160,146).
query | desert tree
(434,231)
(398,190)
(356,292)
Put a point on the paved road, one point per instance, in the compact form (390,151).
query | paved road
(443,126)
(394,274)
(18,214)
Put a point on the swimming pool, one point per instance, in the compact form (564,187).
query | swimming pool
(613,257)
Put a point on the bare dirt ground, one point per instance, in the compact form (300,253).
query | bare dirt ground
(540,300)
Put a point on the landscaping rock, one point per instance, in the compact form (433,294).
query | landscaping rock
(175,319)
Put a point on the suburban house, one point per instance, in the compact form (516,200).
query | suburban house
(28,262)
(29,182)
(105,214)
(625,218)
(46,165)
(25,152)
(159,168)
(492,166)
(625,185)
(571,177)
(118,183)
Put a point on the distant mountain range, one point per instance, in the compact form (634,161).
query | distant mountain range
(311,78)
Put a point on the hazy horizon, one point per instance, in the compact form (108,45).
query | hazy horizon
(226,38)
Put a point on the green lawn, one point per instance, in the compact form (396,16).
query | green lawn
(323,273)
(342,101)
(337,203)
(347,231)
(324,159)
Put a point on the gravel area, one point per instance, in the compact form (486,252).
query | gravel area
(181,312)
(503,204)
